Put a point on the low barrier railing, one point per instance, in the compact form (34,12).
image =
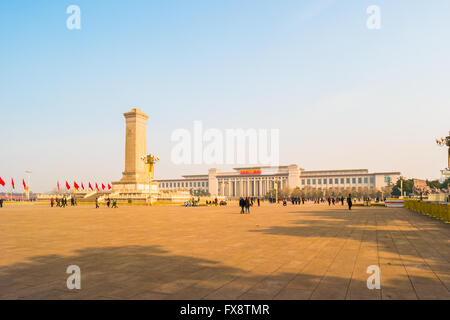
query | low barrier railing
(435,210)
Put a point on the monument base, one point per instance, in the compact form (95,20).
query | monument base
(135,191)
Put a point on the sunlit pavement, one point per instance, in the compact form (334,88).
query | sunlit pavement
(171,252)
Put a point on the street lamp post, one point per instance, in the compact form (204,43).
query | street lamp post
(401,187)
(28,172)
(276,191)
(150,161)
(445,142)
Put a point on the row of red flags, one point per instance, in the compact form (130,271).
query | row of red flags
(76,186)
(2,183)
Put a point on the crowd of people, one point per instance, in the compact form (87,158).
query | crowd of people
(62,202)
(192,202)
(244,202)
(331,200)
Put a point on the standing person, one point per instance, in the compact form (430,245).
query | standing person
(51,202)
(72,201)
(349,201)
(108,202)
(96,203)
(242,204)
(342,200)
(329,201)
(114,204)
(258,202)
(247,205)
(1,203)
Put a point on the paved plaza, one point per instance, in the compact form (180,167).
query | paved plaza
(171,252)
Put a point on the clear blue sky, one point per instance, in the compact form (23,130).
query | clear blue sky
(343,96)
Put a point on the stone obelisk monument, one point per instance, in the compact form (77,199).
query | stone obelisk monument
(135,146)
(135,178)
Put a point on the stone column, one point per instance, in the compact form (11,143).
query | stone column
(135,147)
(213,184)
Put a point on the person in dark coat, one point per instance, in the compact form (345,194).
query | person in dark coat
(247,205)
(1,203)
(242,204)
(96,203)
(349,202)
(258,202)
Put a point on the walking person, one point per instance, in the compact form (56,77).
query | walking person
(1,203)
(349,201)
(114,204)
(258,202)
(108,202)
(96,203)
(242,204)
(247,205)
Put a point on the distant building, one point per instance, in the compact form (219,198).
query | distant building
(258,181)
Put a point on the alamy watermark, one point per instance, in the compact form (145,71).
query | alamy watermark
(229,146)
(374,19)
(74,280)
(374,281)
(73,22)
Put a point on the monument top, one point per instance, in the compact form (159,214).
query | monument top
(135,112)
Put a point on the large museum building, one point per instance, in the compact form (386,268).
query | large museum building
(258,181)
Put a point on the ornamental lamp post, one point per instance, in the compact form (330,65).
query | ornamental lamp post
(28,172)
(445,142)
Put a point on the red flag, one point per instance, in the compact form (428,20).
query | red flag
(57,183)
(75,185)
(109,187)
(2,182)
(12,183)
(90,186)
(103,186)
(82,187)
(24,184)
(67,185)
(96,187)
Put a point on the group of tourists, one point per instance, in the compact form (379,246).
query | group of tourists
(109,203)
(62,202)
(246,203)
(192,202)
(316,200)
